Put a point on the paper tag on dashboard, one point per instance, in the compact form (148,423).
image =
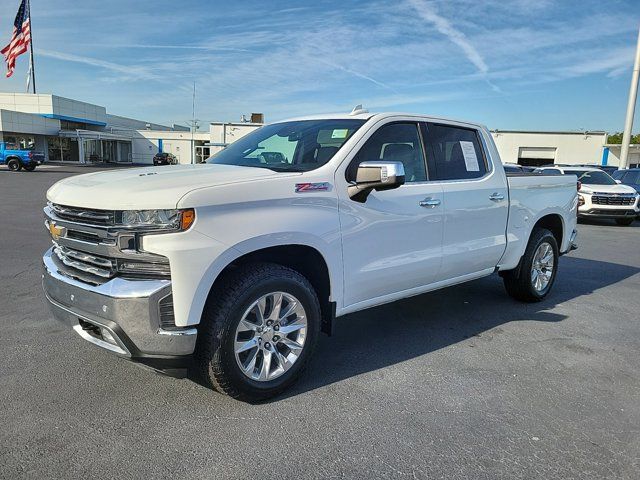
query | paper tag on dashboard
(470,158)
(339,133)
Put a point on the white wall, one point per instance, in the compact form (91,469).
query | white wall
(230,132)
(615,152)
(571,148)
(18,122)
(45,104)
(145,144)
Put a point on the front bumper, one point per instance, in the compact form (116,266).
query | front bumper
(620,212)
(121,316)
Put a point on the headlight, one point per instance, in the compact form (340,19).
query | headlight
(158,219)
(580,200)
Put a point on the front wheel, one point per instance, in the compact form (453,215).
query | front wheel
(532,280)
(625,222)
(258,331)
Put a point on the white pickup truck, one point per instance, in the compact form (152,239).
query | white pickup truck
(234,267)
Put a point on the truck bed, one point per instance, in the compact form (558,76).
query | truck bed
(532,196)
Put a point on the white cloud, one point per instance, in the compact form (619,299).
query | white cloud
(444,26)
(125,70)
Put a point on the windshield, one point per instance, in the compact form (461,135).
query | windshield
(290,146)
(592,177)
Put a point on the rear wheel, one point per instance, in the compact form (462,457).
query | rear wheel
(258,331)
(532,280)
(14,164)
(624,221)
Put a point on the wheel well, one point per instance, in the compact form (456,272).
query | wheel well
(303,259)
(13,158)
(553,223)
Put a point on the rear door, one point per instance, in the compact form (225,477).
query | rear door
(476,199)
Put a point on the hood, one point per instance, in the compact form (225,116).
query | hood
(147,188)
(618,188)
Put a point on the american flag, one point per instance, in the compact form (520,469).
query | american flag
(20,39)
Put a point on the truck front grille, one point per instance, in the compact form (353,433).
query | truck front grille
(87,216)
(604,199)
(92,264)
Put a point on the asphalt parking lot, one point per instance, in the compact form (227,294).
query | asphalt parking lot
(461,383)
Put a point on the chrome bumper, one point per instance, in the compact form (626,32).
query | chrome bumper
(121,315)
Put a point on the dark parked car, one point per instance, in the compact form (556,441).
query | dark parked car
(629,177)
(515,168)
(163,158)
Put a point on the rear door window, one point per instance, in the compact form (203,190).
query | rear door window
(457,154)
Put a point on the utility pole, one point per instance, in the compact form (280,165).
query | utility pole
(194,124)
(631,106)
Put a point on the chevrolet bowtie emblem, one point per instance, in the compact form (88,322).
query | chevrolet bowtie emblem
(56,231)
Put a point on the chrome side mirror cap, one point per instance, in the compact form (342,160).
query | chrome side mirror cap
(376,175)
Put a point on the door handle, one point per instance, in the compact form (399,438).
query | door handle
(496,197)
(429,202)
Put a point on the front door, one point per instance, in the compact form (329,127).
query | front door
(392,242)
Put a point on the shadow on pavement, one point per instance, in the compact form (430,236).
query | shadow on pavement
(383,336)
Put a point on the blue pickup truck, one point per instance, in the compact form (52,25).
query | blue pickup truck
(16,160)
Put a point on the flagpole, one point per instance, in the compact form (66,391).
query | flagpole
(33,65)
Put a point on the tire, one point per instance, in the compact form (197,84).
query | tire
(625,222)
(216,358)
(30,167)
(14,164)
(520,283)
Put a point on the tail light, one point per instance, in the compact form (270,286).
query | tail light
(579,185)
(30,154)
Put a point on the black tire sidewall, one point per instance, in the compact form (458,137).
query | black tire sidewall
(241,382)
(11,162)
(545,237)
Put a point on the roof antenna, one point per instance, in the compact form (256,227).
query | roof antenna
(358,109)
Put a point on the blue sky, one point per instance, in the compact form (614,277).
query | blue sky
(510,64)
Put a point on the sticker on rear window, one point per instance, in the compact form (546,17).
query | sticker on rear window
(340,133)
(470,158)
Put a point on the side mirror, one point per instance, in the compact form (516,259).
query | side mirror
(375,176)
(618,181)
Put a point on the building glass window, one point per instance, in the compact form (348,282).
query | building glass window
(19,142)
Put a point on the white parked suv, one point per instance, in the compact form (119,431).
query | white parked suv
(599,195)
(237,265)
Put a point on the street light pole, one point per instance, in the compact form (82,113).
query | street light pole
(631,106)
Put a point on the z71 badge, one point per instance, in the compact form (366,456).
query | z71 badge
(312,187)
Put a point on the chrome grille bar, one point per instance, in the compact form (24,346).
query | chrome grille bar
(85,215)
(102,267)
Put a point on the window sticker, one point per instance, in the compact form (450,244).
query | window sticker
(340,133)
(470,158)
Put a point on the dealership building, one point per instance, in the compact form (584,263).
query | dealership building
(72,131)
(533,148)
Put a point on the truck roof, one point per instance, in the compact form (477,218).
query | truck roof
(362,114)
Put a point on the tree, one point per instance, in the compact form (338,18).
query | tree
(616,138)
